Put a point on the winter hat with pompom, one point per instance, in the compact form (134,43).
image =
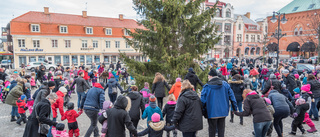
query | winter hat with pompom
(155,117)
(296,76)
(306,87)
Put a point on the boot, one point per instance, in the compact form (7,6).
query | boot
(313,129)
(232,115)
(241,120)
(292,133)
(18,123)
(13,119)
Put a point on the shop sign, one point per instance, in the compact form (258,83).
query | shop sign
(87,49)
(36,50)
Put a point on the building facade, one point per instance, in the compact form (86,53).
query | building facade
(70,39)
(301,37)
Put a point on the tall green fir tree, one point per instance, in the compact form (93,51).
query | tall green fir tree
(176,33)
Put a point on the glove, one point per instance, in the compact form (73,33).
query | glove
(60,126)
(294,115)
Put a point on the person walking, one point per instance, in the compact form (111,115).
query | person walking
(215,97)
(237,87)
(44,91)
(137,106)
(12,98)
(315,88)
(193,78)
(92,102)
(113,86)
(82,86)
(118,66)
(290,81)
(158,88)
(111,66)
(188,114)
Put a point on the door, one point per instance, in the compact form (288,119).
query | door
(49,59)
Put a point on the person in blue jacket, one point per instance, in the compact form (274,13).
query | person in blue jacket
(215,98)
(229,66)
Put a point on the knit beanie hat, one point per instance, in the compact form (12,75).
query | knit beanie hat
(297,90)
(155,117)
(213,72)
(306,87)
(268,101)
(152,98)
(190,69)
(252,93)
(63,90)
(296,76)
(178,79)
(300,101)
(51,84)
(22,97)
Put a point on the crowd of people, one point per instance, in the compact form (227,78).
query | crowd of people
(233,88)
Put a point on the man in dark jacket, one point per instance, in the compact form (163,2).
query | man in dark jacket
(269,60)
(215,98)
(44,92)
(137,104)
(290,81)
(118,117)
(111,66)
(40,74)
(92,102)
(275,83)
(118,66)
(193,78)
(82,86)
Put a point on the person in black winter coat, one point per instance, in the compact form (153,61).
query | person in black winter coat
(168,111)
(118,117)
(137,104)
(298,115)
(315,88)
(270,60)
(275,83)
(156,127)
(118,66)
(237,87)
(188,113)
(158,88)
(40,74)
(290,81)
(43,110)
(111,66)
(193,78)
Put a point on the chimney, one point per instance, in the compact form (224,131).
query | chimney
(46,10)
(120,16)
(84,14)
(247,15)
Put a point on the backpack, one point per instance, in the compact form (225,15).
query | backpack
(114,89)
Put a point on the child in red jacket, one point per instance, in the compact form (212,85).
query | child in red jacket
(21,103)
(71,116)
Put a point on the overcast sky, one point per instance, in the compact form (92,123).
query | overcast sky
(112,8)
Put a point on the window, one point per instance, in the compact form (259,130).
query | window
(253,38)
(218,13)
(228,13)
(106,59)
(84,44)
(54,43)
(57,60)
(258,51)
(89,30)
(21,43)
(127,45)
(36,43)
(32,59)
(227,27)
(253,27)
(126,32)
(82,59)
(311,6)
(246,51)
(117,44)
(296,31)
(41,58)
(22,60)
(227,40)
(138,58)
(219,27)
(68,43)
(97,59)
(258,37)
(88,59)
(266,29)
(74,60)
(107,44)
(295,9)
(108,31)
(252,51)
(66,60)
(239,27)
(95,44)
(239,37)
(114,59)
(207,8)
(35,28)
(247,38)
(300,31)
(63,29)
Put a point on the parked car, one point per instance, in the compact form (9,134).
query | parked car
(304,68)
(34,65)
(293,59)
(5,63)
(314,59)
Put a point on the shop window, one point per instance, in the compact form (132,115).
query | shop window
(57,59)
(32,59)
(22,60)
(88,59)
(114,59)
(41,58)
(66,60)
(82,60)
(97,59)
(106,59)
(75,60)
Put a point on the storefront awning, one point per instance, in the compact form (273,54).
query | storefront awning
(6,54)
(272,47)
(294,46)
(308,47)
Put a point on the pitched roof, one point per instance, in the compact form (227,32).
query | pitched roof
(220,4)
(69,19)
(300,5)
(246,20)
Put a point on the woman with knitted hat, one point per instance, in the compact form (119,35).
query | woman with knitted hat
(176,88)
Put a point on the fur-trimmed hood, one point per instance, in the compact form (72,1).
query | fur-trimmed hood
(235,81)
(157,126)
(123,102)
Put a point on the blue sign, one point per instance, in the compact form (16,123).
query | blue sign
(36,50)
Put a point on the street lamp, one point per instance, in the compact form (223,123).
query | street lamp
(278,35)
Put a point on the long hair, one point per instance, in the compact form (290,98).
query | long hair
(158,77)
(186,85)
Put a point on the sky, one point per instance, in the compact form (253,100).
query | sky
(112,8)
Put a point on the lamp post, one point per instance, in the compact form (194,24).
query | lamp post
(278,35)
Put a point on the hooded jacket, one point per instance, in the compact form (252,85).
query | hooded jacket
(158,89)
(280,102)
(193,79)
(136,105)
(21,106)
(175,89)
(315,87)
(216,92)
(118,117)
(58,104)
(94,98)
(112,83)
(301,110)
(155,129)
(82,85)
(71,116)
(150,110)
(42,94)
(14,95)
(188,112)
(169,110)
(237,87)
(13,84)
(255,105)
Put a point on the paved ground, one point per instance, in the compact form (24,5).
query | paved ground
(11,129)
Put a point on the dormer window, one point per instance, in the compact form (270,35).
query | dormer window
(108,31)
(63,29)
(126,33)
(35,28)
(228,13)
(89,30)
(295,9)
